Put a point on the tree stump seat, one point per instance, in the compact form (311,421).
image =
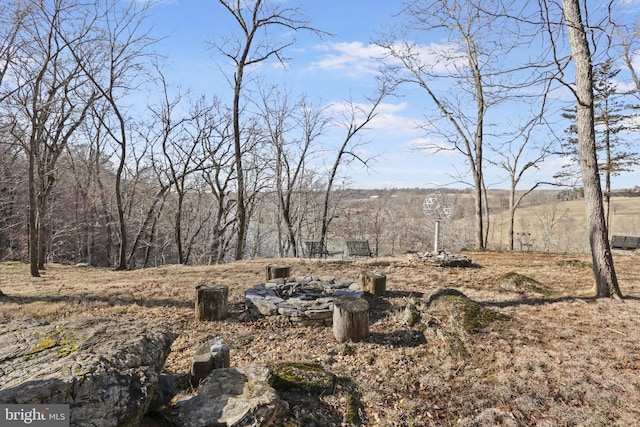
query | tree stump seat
(350,319)
(212,302)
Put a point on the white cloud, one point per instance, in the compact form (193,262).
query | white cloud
(353,57)
(440,57)
(356,59)
(390,122)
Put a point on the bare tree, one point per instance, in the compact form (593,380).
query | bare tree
(631,47)
(181,143)
(292,130)
(13,17)
(468,65)
(13,202)
(114,63)
(606,282)
(256,19)
(518,156)
(355,118)
(219,176)
(49,102)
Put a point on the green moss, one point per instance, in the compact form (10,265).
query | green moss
(351,415)
(63,342)
(456,346)
(513,281)
(309,377)
(44,344)
(468,314)
(348,350)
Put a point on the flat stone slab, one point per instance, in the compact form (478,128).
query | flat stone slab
(233,397)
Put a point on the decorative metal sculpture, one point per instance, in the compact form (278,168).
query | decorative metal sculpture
(439,208)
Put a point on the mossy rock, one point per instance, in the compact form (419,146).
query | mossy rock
(517,282)
(462,311)
(301,376)
(574,263)
(61,341)
(454,344)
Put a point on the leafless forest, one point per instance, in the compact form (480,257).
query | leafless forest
(90,175)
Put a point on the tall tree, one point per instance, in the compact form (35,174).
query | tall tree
(519,156)
(356,117)
(50,100)
(606,282)
(462,77)
(181,143)
(119,40)
(612,117)
(292,129)
(255,42)
(611,120)
(219,177)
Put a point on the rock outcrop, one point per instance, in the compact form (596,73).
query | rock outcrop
(233,397)
(107,370)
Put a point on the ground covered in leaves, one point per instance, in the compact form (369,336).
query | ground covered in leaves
(549,355)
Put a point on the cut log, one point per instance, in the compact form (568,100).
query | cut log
(350,319)
(278,271)
(212,302)
(373,282)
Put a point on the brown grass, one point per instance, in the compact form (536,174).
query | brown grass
(563,359)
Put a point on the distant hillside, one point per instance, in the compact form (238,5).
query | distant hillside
(547,220)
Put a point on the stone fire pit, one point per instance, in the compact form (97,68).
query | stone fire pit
(441,259)
(305,300)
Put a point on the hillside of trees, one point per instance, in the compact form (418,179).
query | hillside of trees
(90,174)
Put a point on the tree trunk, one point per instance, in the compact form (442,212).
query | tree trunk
(33,216)
(606,283)
(122,228)
(241,207)
(178,228)
(478,210)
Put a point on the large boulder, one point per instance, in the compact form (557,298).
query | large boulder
(106,370)
(233,397)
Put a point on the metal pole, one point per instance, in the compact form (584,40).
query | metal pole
(436,238)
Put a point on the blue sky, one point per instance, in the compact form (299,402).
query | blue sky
(332,70)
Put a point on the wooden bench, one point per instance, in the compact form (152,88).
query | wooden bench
(359,248)
(625,242)
(316,249)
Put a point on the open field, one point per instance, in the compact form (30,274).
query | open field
(553,224)
(550,224)
(562,360)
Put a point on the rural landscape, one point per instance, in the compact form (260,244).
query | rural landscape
(476,160)
(558,358)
